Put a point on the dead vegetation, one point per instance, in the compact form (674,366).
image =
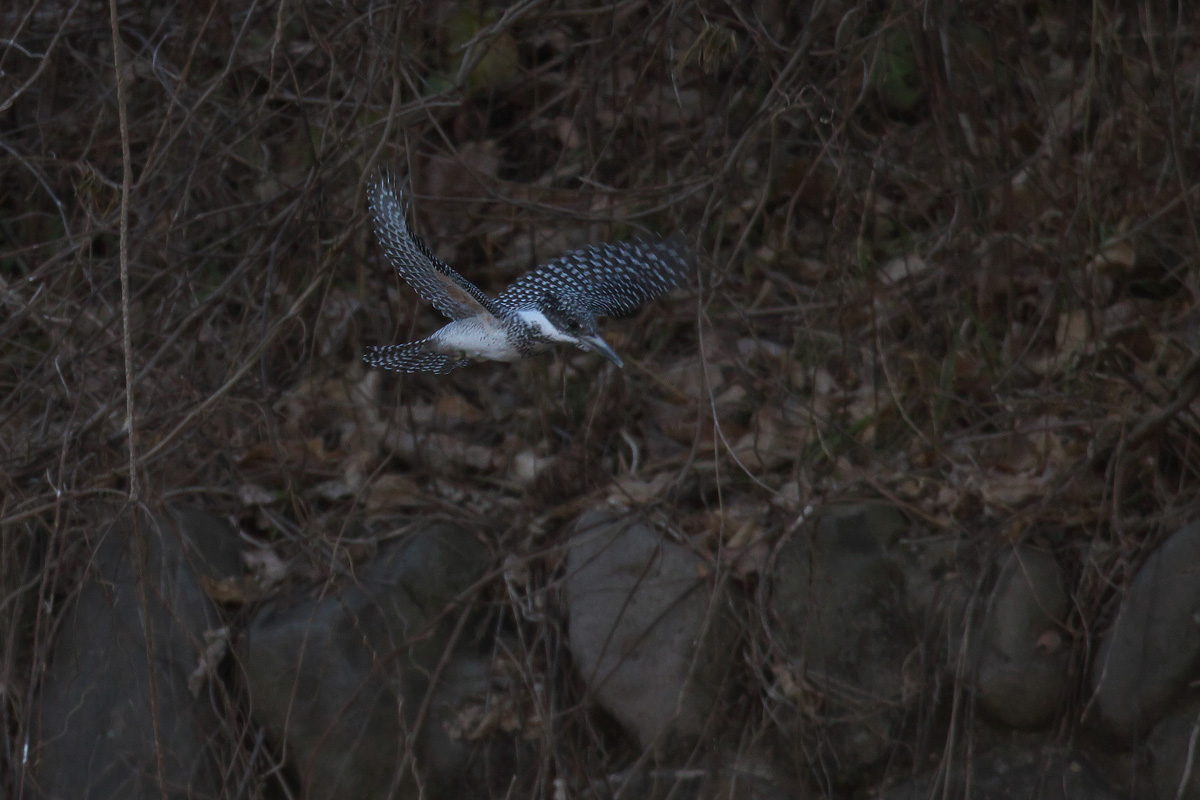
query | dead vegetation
(949,261)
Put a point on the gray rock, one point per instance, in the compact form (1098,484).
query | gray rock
(1152,650)
(1021,678)
(1012,775)
(340,679)
(97,731)
(638,605)
(715,781)
(1174,751)
(838,590)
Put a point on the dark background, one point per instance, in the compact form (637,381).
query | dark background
(948,260)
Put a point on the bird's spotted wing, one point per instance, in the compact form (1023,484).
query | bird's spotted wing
(411,357)
(607,279)
(432,278)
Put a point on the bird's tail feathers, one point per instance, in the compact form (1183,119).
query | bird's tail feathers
(412,357)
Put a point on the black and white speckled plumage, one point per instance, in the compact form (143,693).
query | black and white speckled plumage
(433,279)
(555,303)
(412,357)
(608,280)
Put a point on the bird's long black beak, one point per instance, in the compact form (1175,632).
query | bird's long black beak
(600,346)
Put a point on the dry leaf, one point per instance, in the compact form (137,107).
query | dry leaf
(392,490)
(774,439)
(1006,490)
(730,400)
(335,489)
(1118,257)
(567,133)
(251,494)
(440,450)
(454,409)
(630,492)
(749,348)
(291,451)
(216,644)
(266,566)
(1070,342)
(1070,113)
(902,268)
(230,591)
(788,683)
(1072,335)
(337,314)
(527,466)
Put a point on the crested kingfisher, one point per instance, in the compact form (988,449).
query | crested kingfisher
(557,302)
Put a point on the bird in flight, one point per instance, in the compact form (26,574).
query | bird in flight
(556,303)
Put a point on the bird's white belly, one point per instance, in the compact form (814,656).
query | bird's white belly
(475,339)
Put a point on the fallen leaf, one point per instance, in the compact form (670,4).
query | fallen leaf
(1007,491)
(1117,257)
(392,490)
(266,566)
(216,644)
(527,466)
(630,492)
(902,268)
(230,591)
(251,494)
(452,410)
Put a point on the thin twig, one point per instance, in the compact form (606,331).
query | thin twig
(126,184)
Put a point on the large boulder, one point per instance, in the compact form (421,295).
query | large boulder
(846,628)
(117,718)
(1021,674)
(359,684)
(646,632)
(1152,651)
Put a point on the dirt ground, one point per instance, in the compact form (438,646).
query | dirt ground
(948,262)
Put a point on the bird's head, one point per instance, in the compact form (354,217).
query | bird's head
(572,323)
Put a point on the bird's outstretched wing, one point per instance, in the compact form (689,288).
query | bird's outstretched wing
(607,279)
(432,278)
(411,357)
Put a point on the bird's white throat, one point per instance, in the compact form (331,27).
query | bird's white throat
(538,321)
